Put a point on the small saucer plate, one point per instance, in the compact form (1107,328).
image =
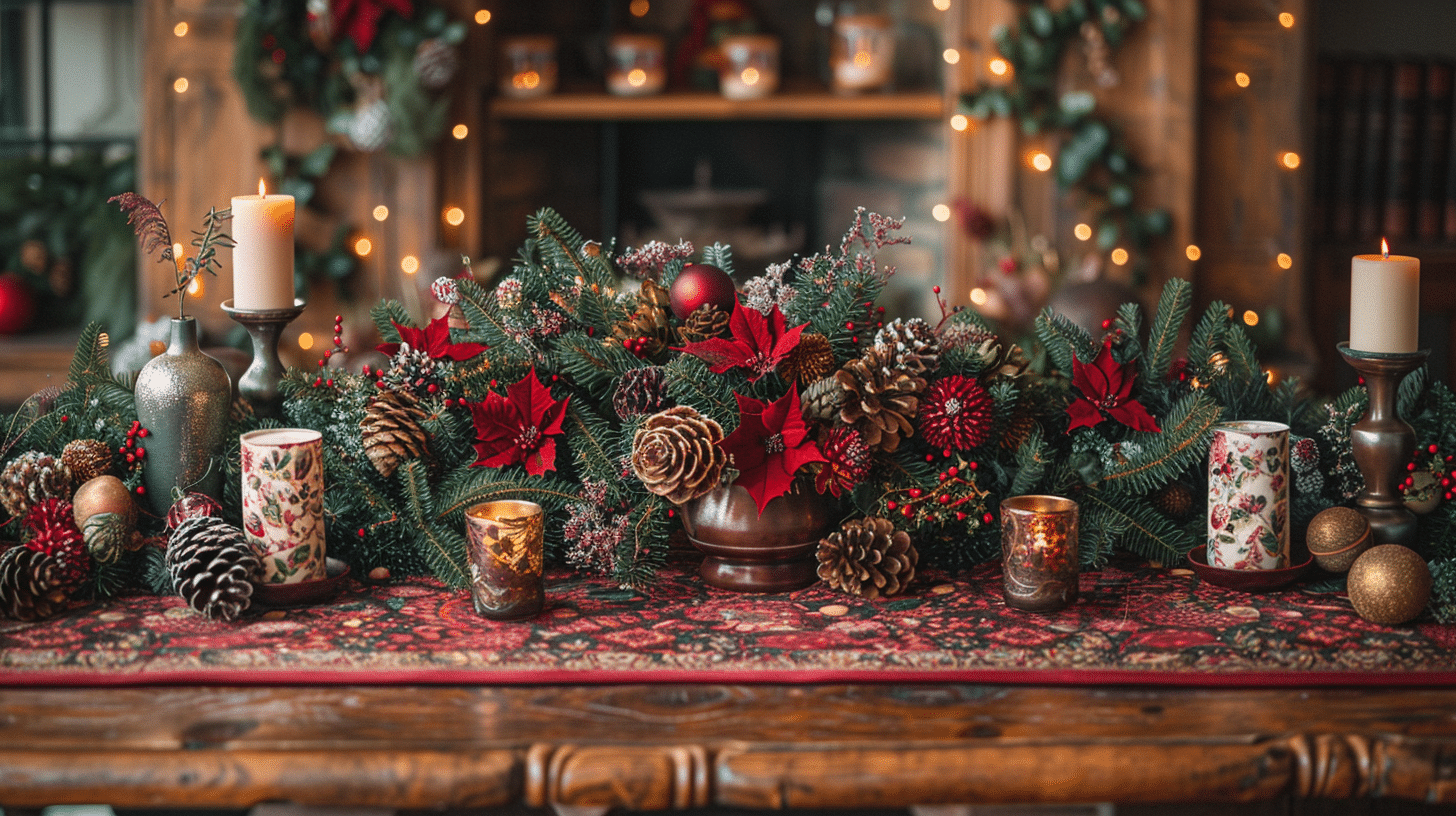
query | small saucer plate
(303,593)
(1260,580)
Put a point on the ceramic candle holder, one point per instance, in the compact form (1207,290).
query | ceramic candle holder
(1248,496)
(636,66)
(528,66)
(1039,552)
(283,502)
(863,52)
(506,550)
(750,66)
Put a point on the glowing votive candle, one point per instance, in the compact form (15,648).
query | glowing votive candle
(1385,302)
(262,230)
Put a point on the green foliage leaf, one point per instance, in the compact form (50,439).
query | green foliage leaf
(1173,304)
(1064,340)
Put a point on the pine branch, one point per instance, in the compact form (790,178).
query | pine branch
(385,314)
(593,444)
(591,365)
(1172,310)
(1134,526)
(90,360)
(1243,355)
(549,224)
(444,550)
(1064,340)
(461,490)
(147,220)
(644,549)
(691,383)
(719,255)
(1408,394)
(1032,459)
(1207,337)
(1182,442)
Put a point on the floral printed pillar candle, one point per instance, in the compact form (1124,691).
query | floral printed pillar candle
(506,547)
(1039,552)
(1248,496)
(283,502)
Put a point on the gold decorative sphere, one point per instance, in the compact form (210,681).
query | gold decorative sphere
(1336,537)
(1389,584)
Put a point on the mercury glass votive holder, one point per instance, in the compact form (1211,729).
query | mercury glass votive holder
(1039,552)
(506,540)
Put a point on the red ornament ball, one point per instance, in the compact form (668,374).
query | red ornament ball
(17,304)
(698,284)
(191,505)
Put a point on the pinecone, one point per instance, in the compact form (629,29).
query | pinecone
(212,566)
(1174,500)
(649,330)
(1018,430)
(880,400)
(33,477)
(30,585)
(392,432)
(51,529)
(369,129)
(957,413)
(86,459)
(640,391)
(913,344)
(822,399)
(704,323)
(435,62)
(810,361)
(867,557)
(410,369)
(676,454)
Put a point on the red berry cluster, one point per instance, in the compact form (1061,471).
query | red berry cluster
(1430,460)
(954,494)
(638,346)
(132,450)
(338,344)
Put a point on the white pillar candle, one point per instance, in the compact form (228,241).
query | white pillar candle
(262,230)
(1385,303)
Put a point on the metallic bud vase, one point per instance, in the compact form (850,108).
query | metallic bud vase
(182,398)
(1381,442)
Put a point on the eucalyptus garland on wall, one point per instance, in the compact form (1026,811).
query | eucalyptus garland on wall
(1092,159)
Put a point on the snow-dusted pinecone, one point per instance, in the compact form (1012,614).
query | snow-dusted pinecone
(31,478)
(912,343)
(212,566)
(880,398)
(30,584)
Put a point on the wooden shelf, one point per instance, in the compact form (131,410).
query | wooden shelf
(803,105)
(30,362)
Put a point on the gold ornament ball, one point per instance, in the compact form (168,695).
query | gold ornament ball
(1389,584)
(1336,537)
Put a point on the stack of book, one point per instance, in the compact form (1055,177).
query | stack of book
(1383,163)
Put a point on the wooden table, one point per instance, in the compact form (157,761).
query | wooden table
(584,749)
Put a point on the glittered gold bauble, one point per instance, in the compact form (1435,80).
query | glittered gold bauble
(1336,537)
(1389,584)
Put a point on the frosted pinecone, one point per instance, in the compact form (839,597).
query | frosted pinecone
(411,370)
(912,344)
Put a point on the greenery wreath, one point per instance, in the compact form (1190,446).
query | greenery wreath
(378,71)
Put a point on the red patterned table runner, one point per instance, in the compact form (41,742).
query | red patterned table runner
(1134,624)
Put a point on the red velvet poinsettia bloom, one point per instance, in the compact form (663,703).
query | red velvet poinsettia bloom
(769,446)
(759,343)
(518,428)
(434,340)
(359,19)
(1106,387)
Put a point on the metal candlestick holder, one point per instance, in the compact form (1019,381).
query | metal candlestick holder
(259,384)
(1382,443)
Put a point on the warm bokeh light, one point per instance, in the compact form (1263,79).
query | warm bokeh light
(381,212)
(639,8)
(952,56)
(1193,252)
(410,264)
(941,212)
(1286,19)
(195,288)
(180,86)
(959,122)
(749,76)
(978,296)
(940,5)
(1284,260)
(526,80)
(1241,79)
(180,29)
(999,67)
(636,77)
(177,251)
(1039,160)
(305,341)
(1251,318)
(1290,159)
(460,131)
(482,17)
(454,216)
(363,247)
(1083,232)
(1119,256)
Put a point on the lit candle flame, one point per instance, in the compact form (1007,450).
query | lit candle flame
(261,191)
(1384,249)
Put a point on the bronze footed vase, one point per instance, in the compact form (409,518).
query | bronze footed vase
(749,552)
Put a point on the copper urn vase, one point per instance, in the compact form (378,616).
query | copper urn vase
(748,551)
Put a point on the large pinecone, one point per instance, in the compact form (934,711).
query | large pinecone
(810,361)
(30,584)
(392,430)
(676,454)
(650,326)
(704,323)
(410,369)
(212,566)
(912,345)
(880,399)
(640,391)
(867,557)
(86,459)
(31,478)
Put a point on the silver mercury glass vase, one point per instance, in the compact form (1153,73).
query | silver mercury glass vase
(182,398)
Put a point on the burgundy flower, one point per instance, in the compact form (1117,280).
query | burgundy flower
(518,428)
(759,343)
(360,19)
(847,462)
(1106,387)
(434,340)
(769,446)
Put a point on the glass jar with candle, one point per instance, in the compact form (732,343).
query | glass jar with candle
(528,66)
(862,52)
(1039,552)
(635,65)
(750,66)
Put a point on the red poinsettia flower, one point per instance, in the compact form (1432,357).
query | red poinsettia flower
(359,19)
(518,428)
(759,343)
(1106,387)
(434,340)
(769,446)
